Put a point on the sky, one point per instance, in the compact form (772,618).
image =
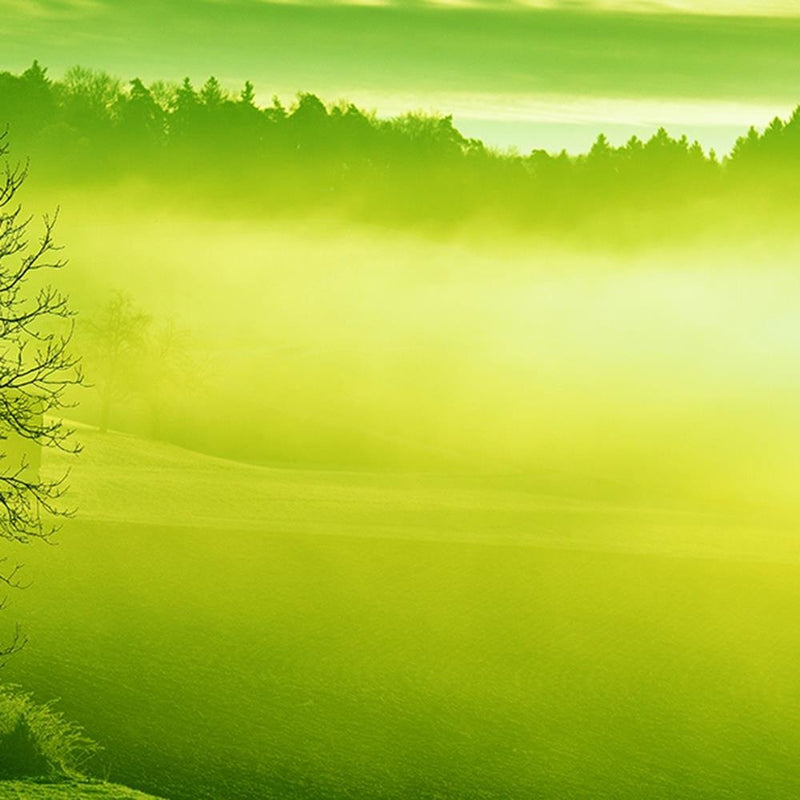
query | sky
(522,73)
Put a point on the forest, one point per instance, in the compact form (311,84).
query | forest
(212,149)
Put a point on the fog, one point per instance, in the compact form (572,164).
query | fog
(663,375)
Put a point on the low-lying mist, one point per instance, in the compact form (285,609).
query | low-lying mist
(667,376)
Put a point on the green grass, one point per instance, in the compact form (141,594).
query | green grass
(36,740)
(67,790)
(228,631)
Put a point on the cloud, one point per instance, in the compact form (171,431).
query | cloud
(51,9)
(577,109)
(756,8)
(730,8)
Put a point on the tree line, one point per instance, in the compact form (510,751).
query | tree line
(415,168)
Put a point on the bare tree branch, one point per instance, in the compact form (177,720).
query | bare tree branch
(37,368)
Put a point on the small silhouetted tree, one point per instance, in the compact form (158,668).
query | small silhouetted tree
(247,97)
(141,120)
(211,94)
(167,365)
(118,338)
(183,112)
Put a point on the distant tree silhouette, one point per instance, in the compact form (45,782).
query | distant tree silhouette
(165,365)
(141,119)
(416,168)
(247,96)
(117,340)
(211,94)
(184,114)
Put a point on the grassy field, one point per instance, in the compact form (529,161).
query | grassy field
(230,631)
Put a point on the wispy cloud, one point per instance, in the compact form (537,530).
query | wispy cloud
(576,109)
(707,7)
(731,8)
(51,9)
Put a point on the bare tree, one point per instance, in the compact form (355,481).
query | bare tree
(117,342)
(37,368)
(168,364)
(132,359)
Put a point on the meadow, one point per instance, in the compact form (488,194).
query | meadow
(415,635)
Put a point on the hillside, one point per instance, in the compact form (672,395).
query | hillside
(230,632)
(120,478)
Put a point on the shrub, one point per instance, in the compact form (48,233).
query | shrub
(36,740)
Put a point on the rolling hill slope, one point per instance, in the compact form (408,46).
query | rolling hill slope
(230,632)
